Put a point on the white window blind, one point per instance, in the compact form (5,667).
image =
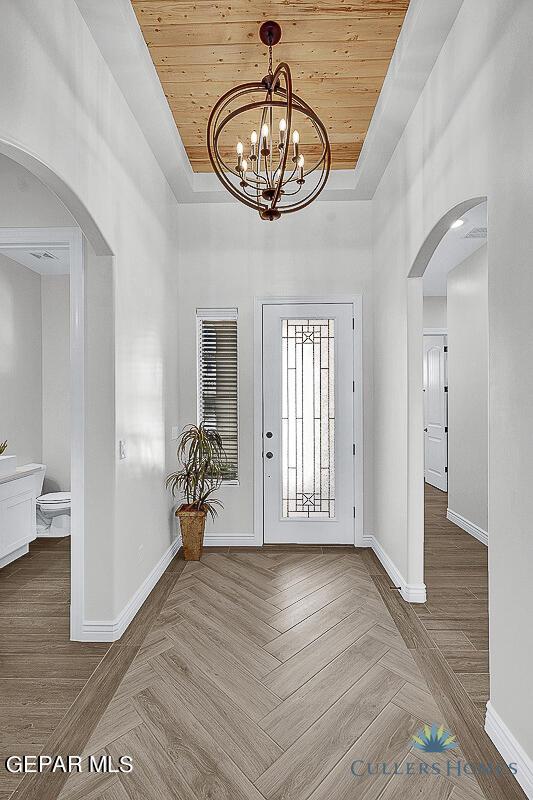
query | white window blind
(218,380)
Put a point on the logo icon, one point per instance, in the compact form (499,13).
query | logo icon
(434,740)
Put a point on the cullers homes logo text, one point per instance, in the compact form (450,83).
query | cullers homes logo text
(430,740)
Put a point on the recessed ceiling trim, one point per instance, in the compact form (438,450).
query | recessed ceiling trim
(338,56)
(114,28)
(426,27)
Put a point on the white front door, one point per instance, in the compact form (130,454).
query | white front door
(308,440)
(435,412)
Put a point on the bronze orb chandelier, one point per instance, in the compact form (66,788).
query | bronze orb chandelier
(286,160)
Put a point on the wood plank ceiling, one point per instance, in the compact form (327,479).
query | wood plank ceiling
(339,52)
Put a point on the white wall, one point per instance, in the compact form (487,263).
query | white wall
(228,257)
(35,369)
(468,138)
(434,312)
(25,202)
(62,108)
(468,389)
(20,361)
(56,381)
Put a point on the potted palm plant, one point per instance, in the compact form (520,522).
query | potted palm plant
(201,468)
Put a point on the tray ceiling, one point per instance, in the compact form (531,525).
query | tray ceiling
(339,53)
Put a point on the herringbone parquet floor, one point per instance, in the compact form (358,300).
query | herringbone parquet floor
(266,675)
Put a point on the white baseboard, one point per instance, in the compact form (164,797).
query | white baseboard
(231,540)
(111,630)
(18,553)
(470,527)
(510,749)
(411,592)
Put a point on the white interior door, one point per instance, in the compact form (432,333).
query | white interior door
(435,412)
(308,401)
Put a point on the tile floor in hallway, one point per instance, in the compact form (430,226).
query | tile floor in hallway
(456,615)
(266,675)
(254,674)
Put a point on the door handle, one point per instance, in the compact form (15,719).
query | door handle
(269,434)
(270,455)
(425,430)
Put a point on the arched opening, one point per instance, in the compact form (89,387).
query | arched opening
(41,227)
(60,188)
(448,439)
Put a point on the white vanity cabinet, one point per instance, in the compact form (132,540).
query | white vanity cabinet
(18,493)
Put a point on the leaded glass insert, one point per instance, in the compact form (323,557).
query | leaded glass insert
(308,419)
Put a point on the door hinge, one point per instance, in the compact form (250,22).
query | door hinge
(445,429)
(445,469)
(354,449)
(353,323)
(445,348)
(353,386)
(354,512)
(445,388)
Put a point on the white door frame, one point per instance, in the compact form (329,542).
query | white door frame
(72,238)
(357,303)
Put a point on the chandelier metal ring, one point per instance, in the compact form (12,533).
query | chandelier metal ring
(273,170)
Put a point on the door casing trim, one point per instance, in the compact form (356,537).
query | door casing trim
(356,300)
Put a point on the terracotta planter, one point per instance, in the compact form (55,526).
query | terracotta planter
(192,524)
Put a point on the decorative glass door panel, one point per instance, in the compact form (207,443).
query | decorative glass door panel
(308,418)
(308,423)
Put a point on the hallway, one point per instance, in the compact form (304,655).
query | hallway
(266,675)
(456,615)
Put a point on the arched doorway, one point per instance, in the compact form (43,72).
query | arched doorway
(84,242)
(448,405)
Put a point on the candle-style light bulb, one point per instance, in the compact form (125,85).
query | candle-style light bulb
(243,170)
(301,162)
(296,142)
(282,129)
(265,149)
(240,151)
(253,141)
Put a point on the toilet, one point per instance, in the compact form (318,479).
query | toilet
(53,513)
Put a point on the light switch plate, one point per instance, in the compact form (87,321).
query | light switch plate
(122,449)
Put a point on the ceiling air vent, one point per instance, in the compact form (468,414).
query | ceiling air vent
(44,254)
(477,233)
